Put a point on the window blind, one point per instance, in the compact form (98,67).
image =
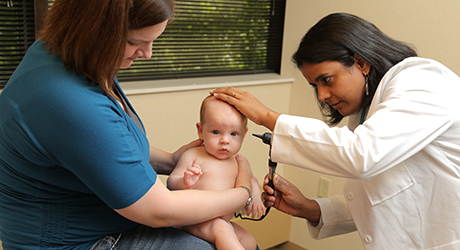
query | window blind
(17,33)
(206,38)
(218,37)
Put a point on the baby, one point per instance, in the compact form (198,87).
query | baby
(213,166)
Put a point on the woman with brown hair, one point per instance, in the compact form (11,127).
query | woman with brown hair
(76,168)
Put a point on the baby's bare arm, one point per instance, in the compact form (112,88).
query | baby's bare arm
(184,169)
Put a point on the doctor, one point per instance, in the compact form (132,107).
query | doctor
(400,152)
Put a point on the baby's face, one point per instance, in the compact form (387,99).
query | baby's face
(223,131)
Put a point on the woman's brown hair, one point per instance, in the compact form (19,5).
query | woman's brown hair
(90,36)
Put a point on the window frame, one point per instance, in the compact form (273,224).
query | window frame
(41,7)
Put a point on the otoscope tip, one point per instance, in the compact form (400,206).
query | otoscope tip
(259,136)
(266,137)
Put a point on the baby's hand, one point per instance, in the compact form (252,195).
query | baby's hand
(192,175)
(257,208)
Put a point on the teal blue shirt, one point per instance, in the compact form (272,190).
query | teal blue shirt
(69,155)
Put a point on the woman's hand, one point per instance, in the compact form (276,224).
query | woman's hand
(164,162)
(257,208)
(176,155)
(248,105)
(244,175)
(290,200)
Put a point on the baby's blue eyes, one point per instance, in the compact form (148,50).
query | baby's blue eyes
(216,132)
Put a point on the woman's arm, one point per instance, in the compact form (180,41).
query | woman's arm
(164,162)
(160,207)
(400,123)
(335,218)
(257,208)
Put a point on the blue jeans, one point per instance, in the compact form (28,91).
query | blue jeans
(143,237)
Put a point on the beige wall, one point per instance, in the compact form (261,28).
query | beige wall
(431,26)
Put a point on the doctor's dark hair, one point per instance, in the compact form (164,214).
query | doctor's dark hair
(90,36)
(341,36)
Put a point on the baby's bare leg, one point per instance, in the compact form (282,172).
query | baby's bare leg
(245,238)
(218,232)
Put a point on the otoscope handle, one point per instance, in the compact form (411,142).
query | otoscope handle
(270,184)
(271,172)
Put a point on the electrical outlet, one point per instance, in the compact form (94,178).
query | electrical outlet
(324,187)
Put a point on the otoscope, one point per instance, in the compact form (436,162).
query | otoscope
(266,138)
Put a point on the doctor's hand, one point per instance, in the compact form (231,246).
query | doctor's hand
(248,105)
(290,200)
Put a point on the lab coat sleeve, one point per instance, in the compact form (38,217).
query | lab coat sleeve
(311,144)
(335,218)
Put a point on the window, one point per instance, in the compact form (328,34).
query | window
(206,38)
(216,38)
(17,33)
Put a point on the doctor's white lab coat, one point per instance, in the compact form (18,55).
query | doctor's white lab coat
(403,162)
